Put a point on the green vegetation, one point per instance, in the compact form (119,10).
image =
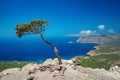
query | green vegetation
(111,47)
(33,27)
(108,55)
(6,65)
(100,61)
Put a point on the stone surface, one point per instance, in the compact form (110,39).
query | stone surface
(116,71)
(9,71)
(66,71)
(47,62)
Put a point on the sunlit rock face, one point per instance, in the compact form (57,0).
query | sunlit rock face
(67,71)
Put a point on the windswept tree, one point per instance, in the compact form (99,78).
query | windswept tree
(36,27)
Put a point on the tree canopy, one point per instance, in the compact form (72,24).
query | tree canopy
(34,27)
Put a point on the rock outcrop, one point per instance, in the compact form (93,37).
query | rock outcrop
(69,70)
(9,71)
(115,70)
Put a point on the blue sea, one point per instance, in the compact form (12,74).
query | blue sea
(35,50)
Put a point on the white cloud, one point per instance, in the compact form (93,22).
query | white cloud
(111,31)
(87,32)
(83,33)
(101,27)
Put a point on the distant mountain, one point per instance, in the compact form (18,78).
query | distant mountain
(100,39)
(110,44)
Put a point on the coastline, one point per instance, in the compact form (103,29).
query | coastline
(92,52)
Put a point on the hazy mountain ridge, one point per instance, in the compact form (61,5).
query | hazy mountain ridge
(100,39)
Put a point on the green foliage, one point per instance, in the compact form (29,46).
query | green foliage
(6,65)
(36,26)
(100,61)
(111,47)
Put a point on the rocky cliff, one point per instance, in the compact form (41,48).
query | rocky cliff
(50,70)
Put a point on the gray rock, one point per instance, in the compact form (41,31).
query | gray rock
(30,68)
(115,69)
(9,71)
(61,72)
(47,62)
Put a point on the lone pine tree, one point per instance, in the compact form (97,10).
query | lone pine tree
(36,27)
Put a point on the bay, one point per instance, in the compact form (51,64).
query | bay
(36,50)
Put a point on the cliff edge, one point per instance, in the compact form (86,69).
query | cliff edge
(50,70)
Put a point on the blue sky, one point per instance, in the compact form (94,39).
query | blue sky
(65,16)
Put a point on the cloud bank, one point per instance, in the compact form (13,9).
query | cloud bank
(91,32)
(83,33)
(101,27)
(87,32)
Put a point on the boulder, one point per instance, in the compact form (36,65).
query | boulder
(55,61)
(48,62)
(53,68)
(70,61)
(76,62)
(30,78)
(30,68)
(9,71)
(115,69)
(51,62)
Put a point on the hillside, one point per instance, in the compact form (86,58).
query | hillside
(100,61)
(100,39)
(109,48)
(106,54)
(6,65)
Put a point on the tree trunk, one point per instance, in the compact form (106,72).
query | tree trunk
(51,45)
